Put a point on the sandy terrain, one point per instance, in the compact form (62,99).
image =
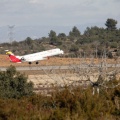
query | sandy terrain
(58,79)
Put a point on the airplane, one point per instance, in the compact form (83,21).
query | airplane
(34,57)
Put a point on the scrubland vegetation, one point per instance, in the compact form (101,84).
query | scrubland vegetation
(17,101)
(64,105)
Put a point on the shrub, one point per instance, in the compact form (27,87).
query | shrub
(14,84)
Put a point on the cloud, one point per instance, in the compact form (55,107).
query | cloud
(54,12)
(34,1)
(51,13)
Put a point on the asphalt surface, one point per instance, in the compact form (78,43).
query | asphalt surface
(61,67)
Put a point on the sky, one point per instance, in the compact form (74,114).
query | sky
(58,13)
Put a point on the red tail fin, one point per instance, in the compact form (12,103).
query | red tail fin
(13,58)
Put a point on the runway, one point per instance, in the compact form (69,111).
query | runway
(64,67)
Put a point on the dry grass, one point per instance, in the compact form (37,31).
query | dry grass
(4,61)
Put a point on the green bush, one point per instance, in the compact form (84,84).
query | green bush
(14,84)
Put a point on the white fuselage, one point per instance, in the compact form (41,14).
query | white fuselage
(41,55)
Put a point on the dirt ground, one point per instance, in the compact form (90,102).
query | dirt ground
(5,61)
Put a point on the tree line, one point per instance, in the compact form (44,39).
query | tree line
(94,40)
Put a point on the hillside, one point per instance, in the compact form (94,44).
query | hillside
(94,42)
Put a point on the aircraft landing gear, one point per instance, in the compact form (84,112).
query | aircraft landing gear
(37,62)
(30,63)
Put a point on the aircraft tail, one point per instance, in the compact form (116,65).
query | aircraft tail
(13,58)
